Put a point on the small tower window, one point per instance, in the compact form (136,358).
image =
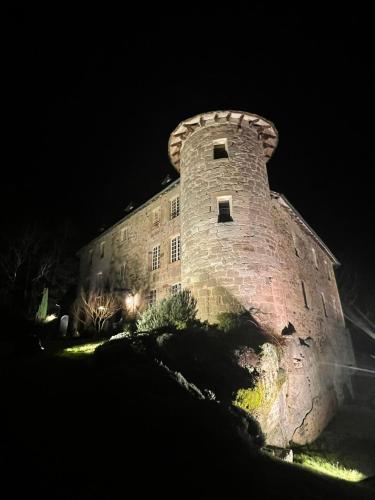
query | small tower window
(225,209)
(124,234)
(315,258)
(328,270)
(102,245)
(220,149)
(304,295)
(295,243)
(324,305)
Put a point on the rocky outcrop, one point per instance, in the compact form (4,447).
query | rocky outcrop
(294,396)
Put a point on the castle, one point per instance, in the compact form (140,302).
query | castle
(222,233)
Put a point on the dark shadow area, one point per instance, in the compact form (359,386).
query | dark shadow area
(120,425)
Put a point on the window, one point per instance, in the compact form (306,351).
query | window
(175,207)
(295,243)
(328,270)
(155,258)
(124,234)
(220,149)
(304,294)
(175,288)
(175,249)
(152,297)
(102,245)
(315,258)
(324,305)
(156,217)
(224,209)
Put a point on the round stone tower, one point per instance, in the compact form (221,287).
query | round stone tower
(227,230)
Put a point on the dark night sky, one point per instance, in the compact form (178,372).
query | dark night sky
(90,101)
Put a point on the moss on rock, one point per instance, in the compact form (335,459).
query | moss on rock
(260,399)
(250,399)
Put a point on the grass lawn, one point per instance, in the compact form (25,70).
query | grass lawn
(331,467)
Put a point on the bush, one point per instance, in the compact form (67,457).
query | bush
(177,312)
(243,322)
(234,321)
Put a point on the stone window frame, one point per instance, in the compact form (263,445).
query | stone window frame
(174,207)
(155,257)
(175,248)
(217,153)
(124,234)
(122,273)
(175,288)
(156,216)
(315,258)
(304,295)
(324,304)
(221,198)
(151,299)
(102,249)
(295,244)
(328,267)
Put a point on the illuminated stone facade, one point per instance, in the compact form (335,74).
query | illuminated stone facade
(242,245)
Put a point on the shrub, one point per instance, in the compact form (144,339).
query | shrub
(177,311)
(232,321)
(244,321)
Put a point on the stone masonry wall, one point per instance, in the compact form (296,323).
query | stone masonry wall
(314,354)
(134,249)
(231,264)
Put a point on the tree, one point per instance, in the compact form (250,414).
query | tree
(30,261)
(97,307)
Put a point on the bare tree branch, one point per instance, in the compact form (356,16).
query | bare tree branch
(97,306)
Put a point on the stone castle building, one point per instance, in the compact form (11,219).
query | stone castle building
(222,233)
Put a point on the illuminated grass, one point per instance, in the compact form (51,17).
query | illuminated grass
(80,350)
(329,467)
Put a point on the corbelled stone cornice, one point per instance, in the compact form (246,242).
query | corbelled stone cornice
(266,130)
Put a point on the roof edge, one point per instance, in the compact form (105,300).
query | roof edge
(305,225)
(150,200)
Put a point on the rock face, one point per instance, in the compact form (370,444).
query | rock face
(243,247)
(296,394)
